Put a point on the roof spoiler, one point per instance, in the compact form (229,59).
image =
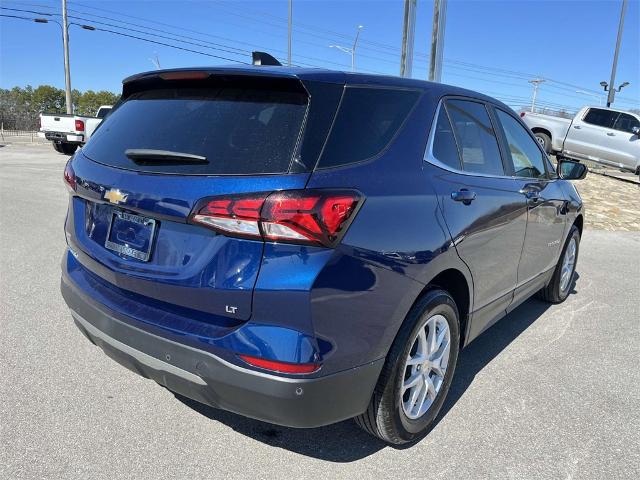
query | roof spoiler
(263,58)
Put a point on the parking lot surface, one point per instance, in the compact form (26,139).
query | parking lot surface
(549,392)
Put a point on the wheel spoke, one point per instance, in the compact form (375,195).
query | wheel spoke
(424,390)
(432,338)
(431,388)
(412,381)
(413,396)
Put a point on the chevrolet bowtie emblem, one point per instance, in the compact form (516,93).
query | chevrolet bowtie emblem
(115,196)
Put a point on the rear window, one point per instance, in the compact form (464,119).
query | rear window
(238,130)
(366,122)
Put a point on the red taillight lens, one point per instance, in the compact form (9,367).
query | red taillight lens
(316,217)
(79,125)
(282,367)
(70,176)
(522,114)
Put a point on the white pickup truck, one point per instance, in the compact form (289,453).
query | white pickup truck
(603,135)
(67,131)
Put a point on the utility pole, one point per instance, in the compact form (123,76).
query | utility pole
(65,46)
(612,90)
(536,82)
(437,40)
(408,32)
(290,22)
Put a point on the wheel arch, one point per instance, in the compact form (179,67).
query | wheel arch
(454,282)
(542,130)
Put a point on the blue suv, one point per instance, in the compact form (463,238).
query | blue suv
(304,246)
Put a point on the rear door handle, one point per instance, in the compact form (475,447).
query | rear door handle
(610,134)
(463,195)
(577,127)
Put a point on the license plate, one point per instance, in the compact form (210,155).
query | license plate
(131,235)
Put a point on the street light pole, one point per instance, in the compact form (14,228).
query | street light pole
(290,22)
(535,83)
(353,50)
(437,40)
(65,46)
(614,66)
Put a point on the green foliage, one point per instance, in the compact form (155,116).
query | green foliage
(20,107)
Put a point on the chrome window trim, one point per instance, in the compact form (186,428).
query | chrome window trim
(428,155)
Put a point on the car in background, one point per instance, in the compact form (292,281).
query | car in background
(305,246)
(603,135)
(67,131)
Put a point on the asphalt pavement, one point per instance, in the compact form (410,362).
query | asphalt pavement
(549,392)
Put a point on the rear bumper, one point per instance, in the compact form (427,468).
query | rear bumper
(206,378)
(63,137)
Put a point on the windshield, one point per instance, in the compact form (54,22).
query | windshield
(238,130)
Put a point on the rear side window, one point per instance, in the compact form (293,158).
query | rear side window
(238,130)
(600,117)
(626,123)
(444,143)
(367,121)
(527,159)
(476,138)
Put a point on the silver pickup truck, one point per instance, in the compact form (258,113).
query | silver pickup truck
(603,135)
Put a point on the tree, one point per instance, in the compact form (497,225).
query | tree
(88,102)
(20,107)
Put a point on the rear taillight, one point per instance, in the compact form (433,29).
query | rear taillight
(315,217)
(79,125)
(70,176)
(522,114)
(282,367)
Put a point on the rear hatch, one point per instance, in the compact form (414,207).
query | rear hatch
(176,139)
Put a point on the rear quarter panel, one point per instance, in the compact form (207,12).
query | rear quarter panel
(395,246)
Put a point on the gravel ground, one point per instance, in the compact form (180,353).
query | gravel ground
(549,392)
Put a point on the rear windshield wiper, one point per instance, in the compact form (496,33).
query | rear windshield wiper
(144,156)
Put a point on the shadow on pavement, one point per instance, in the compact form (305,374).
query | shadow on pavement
(345,442)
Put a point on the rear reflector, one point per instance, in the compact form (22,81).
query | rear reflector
(282,367)
(70,176)
(316,217)
(79,125)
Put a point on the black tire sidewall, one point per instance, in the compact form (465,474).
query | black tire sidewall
(435,302)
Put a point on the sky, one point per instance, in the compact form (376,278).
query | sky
(493,47)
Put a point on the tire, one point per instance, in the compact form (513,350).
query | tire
(57,147)
(387,417)
(68,148)
(544,140)
(557,291)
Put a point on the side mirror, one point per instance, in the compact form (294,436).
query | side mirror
(636,131)
(570,170)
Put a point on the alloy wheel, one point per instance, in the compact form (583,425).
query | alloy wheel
(568,264)
(425,367)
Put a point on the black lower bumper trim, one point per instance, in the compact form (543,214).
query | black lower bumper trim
(206,378)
